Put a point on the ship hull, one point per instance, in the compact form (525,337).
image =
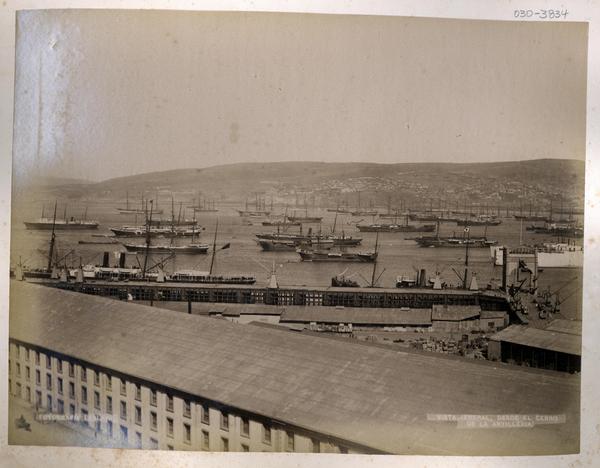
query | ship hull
(396,228)
(307,256)
(187,249)
(60,226)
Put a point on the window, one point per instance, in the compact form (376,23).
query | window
(71,370)
(84,394)
(290,441)
(84,417)
(28,393)
(490,324)
(138,415)
(205,440)
(59,365)
(18,351)
(169,403)
(266,434)
(124,433)
(153,443)
(59,385)
(245,427)
(138,440)
(153,420)
(108,383)
(109,428)
(27,372)
(18,391)
(38,398)
(71,390)
(170,427)
(49,381)
(18,369)
(224,422)
(123,387)
(123,410)
(83,374)
(37,358)
(187,433)
(72,410)
(153,397)
(170,447)
(245,448)
(138,392)
(48,362)
(97,400)
(316,445)
(38,377)
(205,415)
(27,354)
(96,378)
(224,444)
(98,427)
(187,411)
(60,406)
(109,408)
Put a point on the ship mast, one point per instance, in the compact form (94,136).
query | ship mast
(148,224)
(465,279)
(375,261)
(52,240)
(212,260)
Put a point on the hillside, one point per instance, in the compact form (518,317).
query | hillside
(331,183)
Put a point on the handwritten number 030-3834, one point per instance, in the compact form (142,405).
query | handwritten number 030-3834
(541,14)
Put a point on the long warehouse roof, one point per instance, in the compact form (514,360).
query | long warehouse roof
(539,338)
(374,397)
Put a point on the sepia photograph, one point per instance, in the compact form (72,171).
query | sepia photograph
(298,233)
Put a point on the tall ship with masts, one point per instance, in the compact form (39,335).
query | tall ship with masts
(71,223)
(142,210)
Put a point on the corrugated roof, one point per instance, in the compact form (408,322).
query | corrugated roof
(356,315)
(367,395)
(540,338)
(565,326)
(454,312)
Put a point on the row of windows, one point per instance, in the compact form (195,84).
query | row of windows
(123,409)
(187,429)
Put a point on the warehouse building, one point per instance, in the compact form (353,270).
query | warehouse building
(138,376)
(556,347)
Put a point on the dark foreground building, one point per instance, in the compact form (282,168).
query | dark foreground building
(138,376)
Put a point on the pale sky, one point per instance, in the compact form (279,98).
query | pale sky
(101,94)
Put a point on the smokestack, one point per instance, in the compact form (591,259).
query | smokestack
(422,278)
(122,260)
(504,267)
(105,260)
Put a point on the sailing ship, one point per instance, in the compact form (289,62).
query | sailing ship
(192,248)
(46,224)
(259,211)
(395,227)
(204,206)
(141,211)
(328,256)
(153,231)
(304,219)
(481,220)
